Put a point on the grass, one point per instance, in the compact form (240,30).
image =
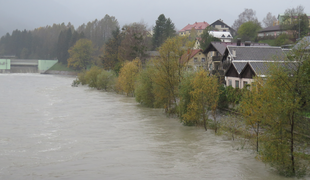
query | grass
(60,67)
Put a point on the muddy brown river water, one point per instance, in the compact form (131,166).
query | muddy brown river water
(50,130)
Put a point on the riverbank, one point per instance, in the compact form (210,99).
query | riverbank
(73,73)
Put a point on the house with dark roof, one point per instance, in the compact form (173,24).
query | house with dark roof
(223,27)
(198,26)
(241,73)
(271,31)
(215,52)
(249,53)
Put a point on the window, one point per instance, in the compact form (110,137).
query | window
(203,59)
(229,82)
(195,59)
(244,84)
(236,84)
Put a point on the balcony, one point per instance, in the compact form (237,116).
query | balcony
(216,58)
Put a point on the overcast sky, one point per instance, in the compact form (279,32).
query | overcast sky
(30,14)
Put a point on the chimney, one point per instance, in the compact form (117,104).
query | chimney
(247,43)
(234,53)
(238,42)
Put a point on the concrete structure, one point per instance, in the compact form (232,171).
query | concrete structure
(25,65)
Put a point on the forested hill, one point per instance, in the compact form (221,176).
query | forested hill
(53,41)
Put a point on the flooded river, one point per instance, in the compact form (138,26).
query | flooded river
(50,130)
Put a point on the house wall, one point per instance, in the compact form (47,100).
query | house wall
(274,33)
(184,33)
(241,81)
(199,61)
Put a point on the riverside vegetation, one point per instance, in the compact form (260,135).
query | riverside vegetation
(272,112)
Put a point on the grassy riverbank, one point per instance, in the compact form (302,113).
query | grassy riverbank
(61,67)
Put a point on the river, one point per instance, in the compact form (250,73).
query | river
(50,130)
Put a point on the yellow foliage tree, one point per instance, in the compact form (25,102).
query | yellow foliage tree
(128,75)
(80,54)
(168,70)
(205,96)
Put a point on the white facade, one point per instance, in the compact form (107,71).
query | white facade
(223,36)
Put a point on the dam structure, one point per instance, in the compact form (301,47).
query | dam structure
(25,65)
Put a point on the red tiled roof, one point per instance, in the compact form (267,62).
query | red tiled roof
(196,25)
(192,54)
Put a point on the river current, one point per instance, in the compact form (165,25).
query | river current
(50,130)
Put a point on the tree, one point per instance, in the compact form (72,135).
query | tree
(248,31)
(110,52)
(269,20)
(144,89)
(168,71)
(80,54)
(163,29)
(283,100)
(245,16)
(205,96)
(206,38)
(134,43)
(296,20)
(128,76)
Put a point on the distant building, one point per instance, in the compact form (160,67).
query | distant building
(194,60)
(198,26)
(271,31)
(223,27)
(223,36)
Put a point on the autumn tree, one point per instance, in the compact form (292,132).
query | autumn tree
(168,70)
(281,107)
(80,54)
(269,20)
(246,16)
(205,96)
(128,76)
(134,43)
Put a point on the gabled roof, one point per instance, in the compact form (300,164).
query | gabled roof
(221,46)
(196,25)
(185,57)
(271,29)
(221,21)
(303,42)
(260,68)
(255,52)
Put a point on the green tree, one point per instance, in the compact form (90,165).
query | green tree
(248,31)
(163,29)
(144,89)
(206,38)
(80,54)
(109,58)
(106,80)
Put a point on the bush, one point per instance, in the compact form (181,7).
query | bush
(81,78)
(106,80)
(91,76)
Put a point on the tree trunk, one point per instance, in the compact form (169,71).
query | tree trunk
(292,144)
(257,132)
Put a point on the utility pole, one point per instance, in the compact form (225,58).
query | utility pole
(299,28)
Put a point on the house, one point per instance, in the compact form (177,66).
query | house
(241,73)
(271,31)
(223,27)
(250,53)
(215,52)
(197,26)
(283,19)
(223,36)
(195,60)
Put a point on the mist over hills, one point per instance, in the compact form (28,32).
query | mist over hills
(32,14)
